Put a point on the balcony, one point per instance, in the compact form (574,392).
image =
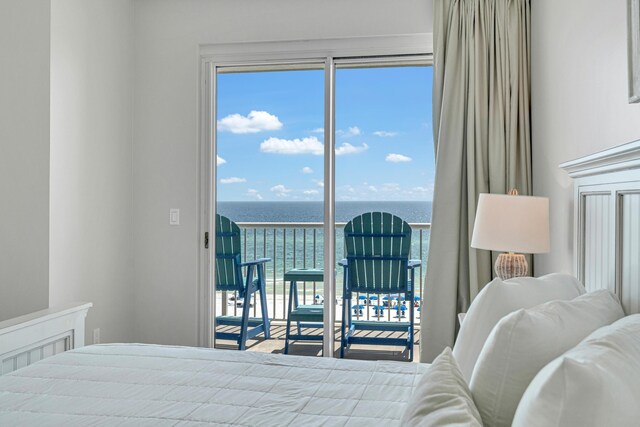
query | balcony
(300,245)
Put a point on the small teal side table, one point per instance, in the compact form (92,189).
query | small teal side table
(306,316)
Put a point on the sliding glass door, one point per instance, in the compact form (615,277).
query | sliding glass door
(299,148)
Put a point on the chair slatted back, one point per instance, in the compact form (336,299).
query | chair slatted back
(377,248)
(228,255)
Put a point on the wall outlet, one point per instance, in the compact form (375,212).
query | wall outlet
(96,336)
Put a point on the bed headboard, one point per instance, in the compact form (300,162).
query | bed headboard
(607,221)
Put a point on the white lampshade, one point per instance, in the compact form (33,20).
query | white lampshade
(509,223)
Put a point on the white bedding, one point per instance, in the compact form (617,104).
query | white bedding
(135,384)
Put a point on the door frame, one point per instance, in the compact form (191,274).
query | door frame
(326,51)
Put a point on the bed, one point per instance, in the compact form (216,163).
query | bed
(135,384)
(161,385)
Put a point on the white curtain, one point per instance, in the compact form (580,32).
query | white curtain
(482,138)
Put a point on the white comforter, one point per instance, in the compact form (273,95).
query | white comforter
(142,385)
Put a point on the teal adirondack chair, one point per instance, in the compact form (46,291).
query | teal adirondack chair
(229,277)
(377,246)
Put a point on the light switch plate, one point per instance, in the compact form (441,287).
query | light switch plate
(174,216)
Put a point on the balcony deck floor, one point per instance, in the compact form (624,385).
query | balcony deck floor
(305,348)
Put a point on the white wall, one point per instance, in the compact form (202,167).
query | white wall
(24,156)
(165,153)
(579,102)
(91,178)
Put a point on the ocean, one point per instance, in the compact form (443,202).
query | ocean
(412,212)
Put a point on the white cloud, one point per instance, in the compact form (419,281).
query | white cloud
(397,158)
(255,121)
(420,193)
(421,189)
(349,189)
(232,180)
(351,131)
(280,190)
(384,133)
(346,148)
(254,194)
(319,183)
(307,169)
(389,191)
(390,187)
(311,192)
(220,160)
(318,130)
(309,145)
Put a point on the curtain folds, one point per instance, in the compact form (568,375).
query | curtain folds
(482,138)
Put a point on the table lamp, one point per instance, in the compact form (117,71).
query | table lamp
(513,224)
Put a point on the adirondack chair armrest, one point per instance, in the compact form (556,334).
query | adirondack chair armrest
(343,262)
(255,262)
(414,263)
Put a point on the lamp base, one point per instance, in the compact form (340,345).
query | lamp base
(509,265)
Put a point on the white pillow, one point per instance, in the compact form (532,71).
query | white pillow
(523,342)
(597,383)
(442,397)
(498,299)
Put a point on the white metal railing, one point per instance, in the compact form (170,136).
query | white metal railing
(300,245)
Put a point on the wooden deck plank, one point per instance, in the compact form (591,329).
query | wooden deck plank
(362,352)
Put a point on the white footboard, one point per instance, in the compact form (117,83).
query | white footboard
(32,337)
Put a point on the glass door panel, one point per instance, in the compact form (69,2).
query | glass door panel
(270,177)
(384,163)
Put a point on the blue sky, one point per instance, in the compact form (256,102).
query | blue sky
(270,140)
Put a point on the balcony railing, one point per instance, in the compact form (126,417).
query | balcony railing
(301,245)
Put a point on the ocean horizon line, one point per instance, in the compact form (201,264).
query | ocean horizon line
(312,211)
